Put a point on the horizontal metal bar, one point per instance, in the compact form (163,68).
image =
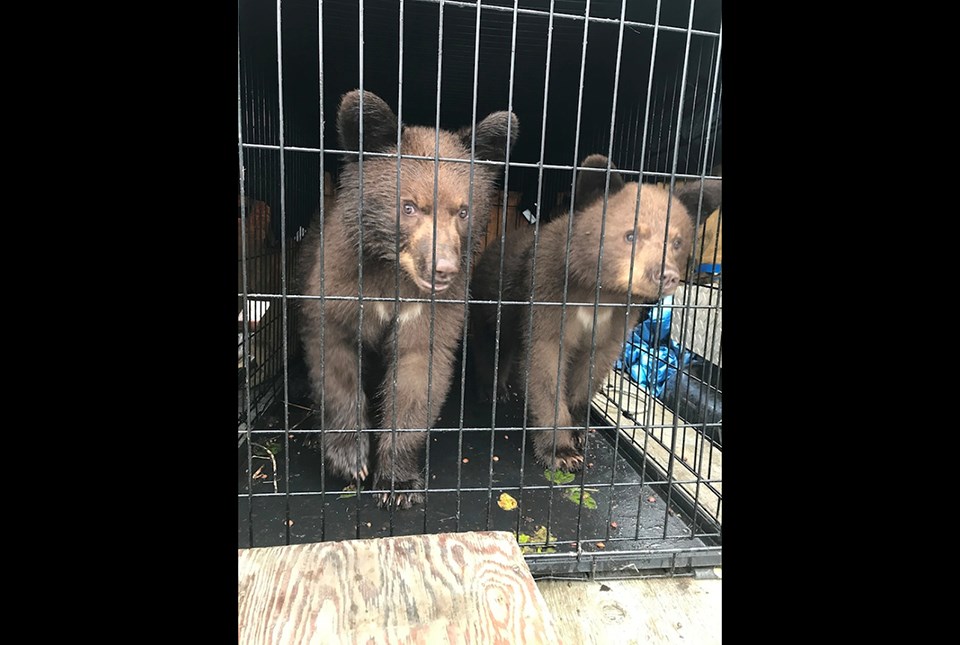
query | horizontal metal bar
(570,16)
(622,426)
(484,489)
(657,552)
(483,162)
(460,301)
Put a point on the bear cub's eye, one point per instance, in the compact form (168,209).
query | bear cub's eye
(463,213)
(409,208)
(677,243)
(629,236)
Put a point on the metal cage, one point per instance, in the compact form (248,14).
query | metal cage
(636,81)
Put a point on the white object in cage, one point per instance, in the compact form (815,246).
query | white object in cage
(704,324)
(256,310)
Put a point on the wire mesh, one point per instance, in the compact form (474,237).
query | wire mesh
(649,494)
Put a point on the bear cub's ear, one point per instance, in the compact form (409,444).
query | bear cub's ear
(689,196)
(379,123)
(492,135)
(591,185)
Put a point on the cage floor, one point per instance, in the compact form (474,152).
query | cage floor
(621,509)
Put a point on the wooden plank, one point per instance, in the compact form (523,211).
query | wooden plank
(513,218)
(711,242)
(694,457)
(628,612)
(448,588)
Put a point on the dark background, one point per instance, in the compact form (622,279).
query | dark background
(301,69)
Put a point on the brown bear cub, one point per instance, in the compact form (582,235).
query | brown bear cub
(653,276)
(399,337)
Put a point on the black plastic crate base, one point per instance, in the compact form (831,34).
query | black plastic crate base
(610,536)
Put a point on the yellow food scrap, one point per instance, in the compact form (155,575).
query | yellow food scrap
(506,502)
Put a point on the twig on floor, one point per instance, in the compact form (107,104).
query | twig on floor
(272,460)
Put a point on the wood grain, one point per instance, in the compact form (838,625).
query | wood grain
(628,612)
(448,588)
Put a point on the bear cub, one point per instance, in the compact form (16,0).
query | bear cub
(539,344)
(395,230)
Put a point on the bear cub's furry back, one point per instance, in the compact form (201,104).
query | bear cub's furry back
(395,230)
(539,345)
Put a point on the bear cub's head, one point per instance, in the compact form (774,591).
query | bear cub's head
(659,249)
(432,206)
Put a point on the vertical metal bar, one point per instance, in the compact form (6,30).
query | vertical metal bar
(283,284)
(533,270)
(433,272)
(506,193)
(466,305)
(645,140)
(703,171)
(685,304)
(260,159)
(707,113)
(596,300)
(687,292)
(616,151)
(718,90)
(719,83)
(360,393)
(323,292)
(503,237)
(673,178)
(624,139)
(697,250)
(396,273)
(627,332)
(268,185)
(566,260)
(697,254)
(658,308)
(643,467)
(663,111)
(245,299)
(693,102)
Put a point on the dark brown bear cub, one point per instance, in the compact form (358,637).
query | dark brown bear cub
(399,335)
(653,276)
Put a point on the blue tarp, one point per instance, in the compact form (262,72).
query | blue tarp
(651,357)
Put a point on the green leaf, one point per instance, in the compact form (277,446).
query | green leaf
(274,446)
(573,495)
(558,476)
(348,492)
(540,535)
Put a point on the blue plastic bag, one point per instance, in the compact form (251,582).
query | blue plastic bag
(650,356)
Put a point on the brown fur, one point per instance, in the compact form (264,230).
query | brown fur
(540,347)
(330,328)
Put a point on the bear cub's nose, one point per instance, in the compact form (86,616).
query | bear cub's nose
(446,270)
